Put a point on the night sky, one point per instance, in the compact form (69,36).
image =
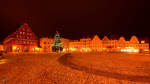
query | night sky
(76,18)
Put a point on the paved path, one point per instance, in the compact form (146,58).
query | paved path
(57,69)
(3,61)
(65,60)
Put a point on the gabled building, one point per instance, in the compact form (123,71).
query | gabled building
(22,40)
(122,43)
(109,45)
(106,42)
(96,44)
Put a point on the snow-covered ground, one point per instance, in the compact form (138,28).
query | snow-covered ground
(76,68)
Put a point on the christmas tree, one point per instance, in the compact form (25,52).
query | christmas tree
(57,46)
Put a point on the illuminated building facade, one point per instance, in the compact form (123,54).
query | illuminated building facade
(65,44)
(46,44)
(23,40)
(96,44)
(107,45)
(133,45)
(86,44)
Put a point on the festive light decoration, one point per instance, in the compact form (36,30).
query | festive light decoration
(57,46)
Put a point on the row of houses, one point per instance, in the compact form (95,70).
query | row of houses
(24,40)
(96,44)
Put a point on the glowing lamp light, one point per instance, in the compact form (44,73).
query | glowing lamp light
(14,47)
(121,50)
(85,49)
(104,48)
(136,50)
(64,50)
(72,49)
(129,49)
(142,41)
(146,49)
(37,49)
(118,47)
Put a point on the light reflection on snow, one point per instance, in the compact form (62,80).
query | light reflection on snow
(3,61)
